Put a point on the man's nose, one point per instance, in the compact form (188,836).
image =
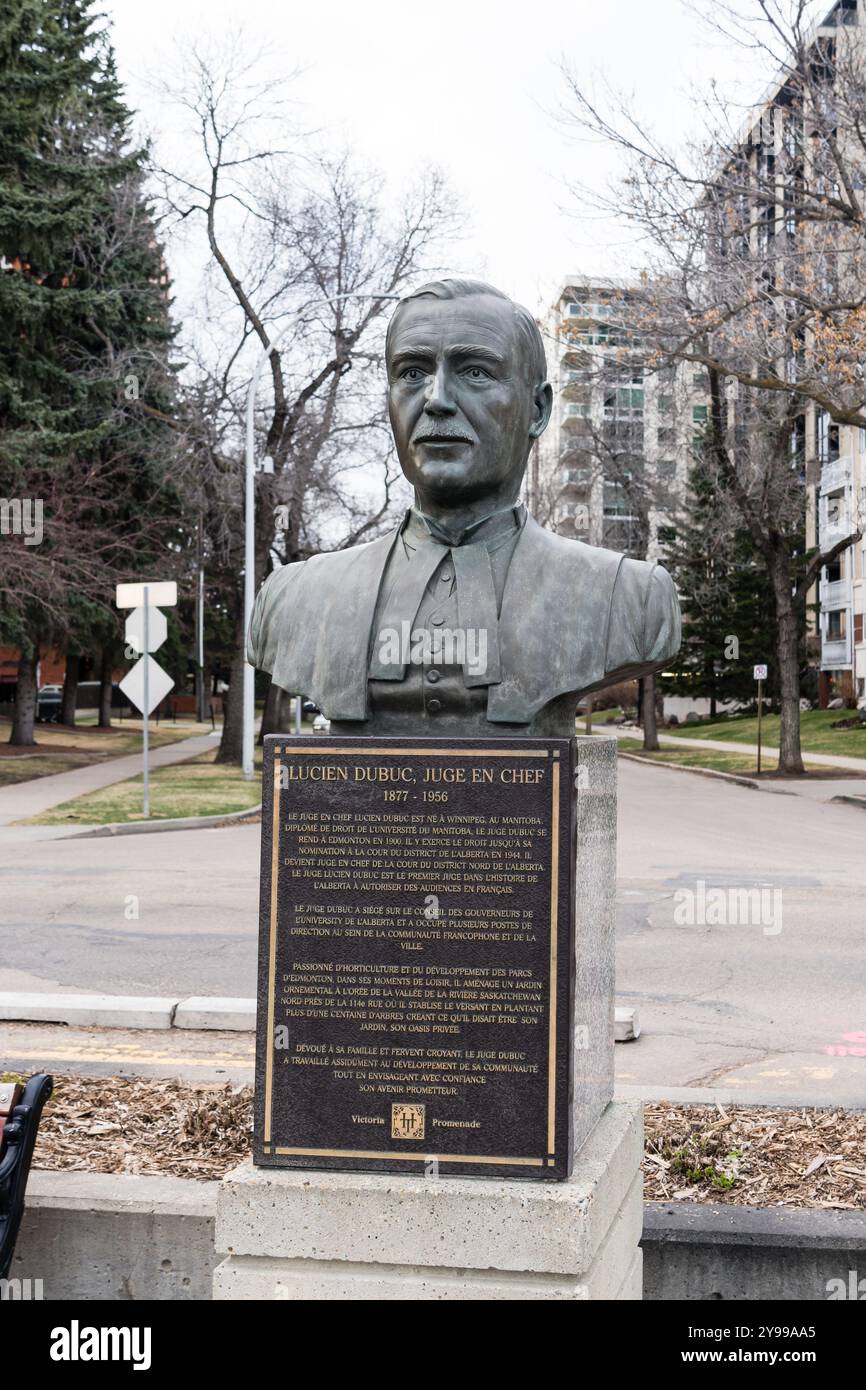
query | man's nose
(439,399)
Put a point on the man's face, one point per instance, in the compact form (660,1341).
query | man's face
(460,398)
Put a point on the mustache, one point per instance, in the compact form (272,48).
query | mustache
(440,434)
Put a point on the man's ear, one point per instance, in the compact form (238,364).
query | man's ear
(542,401)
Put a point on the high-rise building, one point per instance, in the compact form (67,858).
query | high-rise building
(613,465)
(775,145)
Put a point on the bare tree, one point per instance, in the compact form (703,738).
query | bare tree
(755,248)
(310,241)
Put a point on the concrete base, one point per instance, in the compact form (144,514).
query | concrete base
(298,1235)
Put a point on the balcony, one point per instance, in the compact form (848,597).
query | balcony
(835,594)
(577,477)
(836,654)
(834,522)
(835,475)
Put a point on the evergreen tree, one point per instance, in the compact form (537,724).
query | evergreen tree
(85,384)
(728,615)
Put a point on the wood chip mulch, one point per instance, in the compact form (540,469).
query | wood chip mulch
(131,1125)
(755,1156)
(742,1154)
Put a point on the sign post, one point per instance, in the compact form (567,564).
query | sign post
(760,674)
(146,684)
(145,733)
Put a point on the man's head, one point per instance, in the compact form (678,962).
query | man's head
(467,392)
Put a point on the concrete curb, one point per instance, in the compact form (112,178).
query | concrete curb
(698,1223)
(851,800)
(693,1250)
(728,1095)
(197,1011)
(129,1011)
(200,1011)
(96,832)
(699,771)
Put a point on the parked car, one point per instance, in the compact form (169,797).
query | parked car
(48,701)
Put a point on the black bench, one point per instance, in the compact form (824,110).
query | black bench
(20,1112)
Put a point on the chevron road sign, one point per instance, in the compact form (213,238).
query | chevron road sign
(146,630)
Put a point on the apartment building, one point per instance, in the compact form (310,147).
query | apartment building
(776,142)
(612,466)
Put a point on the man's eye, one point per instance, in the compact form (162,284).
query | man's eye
(477,374)
(412,374)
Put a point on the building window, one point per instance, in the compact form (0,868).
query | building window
(837,627)
(667,468)
(827,438)
(699,414)
(667,535)
(666,438)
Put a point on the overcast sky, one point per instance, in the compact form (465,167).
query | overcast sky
(472,87)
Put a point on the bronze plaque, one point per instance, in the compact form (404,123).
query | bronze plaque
(416,956)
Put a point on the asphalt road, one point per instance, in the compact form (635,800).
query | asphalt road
(751,1006)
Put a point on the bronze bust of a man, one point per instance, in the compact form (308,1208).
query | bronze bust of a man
(469,618)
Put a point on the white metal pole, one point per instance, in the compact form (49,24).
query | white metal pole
(200,652)
(249,693)
(144,742)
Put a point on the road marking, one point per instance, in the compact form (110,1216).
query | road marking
(132,1054)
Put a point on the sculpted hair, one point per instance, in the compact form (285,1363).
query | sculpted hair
(527,328)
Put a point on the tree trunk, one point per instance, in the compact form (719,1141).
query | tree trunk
(70,689)
(587,728)
(788,652)
(231,749)
(650,728)
(105,684)
(25,699)
(277,718)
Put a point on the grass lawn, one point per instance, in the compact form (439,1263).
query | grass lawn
(60,749)
(599,719)
(199,787)
(815,732)
(740,763)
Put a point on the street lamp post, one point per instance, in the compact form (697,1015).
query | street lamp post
(250,523)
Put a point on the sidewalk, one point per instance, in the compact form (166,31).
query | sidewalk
(25,799)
